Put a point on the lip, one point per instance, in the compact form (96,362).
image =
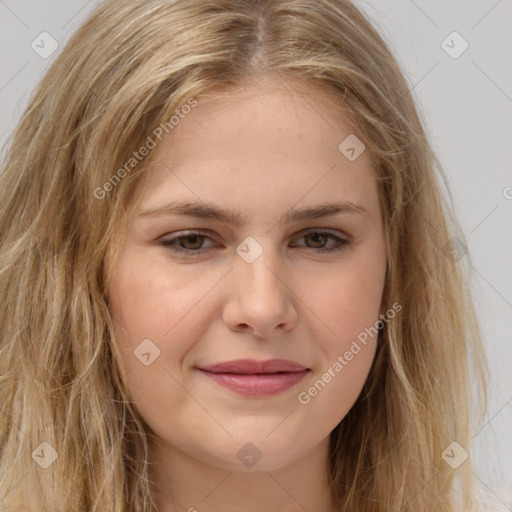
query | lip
(250,377)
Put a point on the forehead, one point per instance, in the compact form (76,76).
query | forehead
(296,112)
(259,147)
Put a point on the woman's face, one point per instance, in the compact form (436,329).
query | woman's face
(277,284)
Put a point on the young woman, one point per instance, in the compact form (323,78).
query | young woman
(229,277)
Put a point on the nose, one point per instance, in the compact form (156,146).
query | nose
(260,300)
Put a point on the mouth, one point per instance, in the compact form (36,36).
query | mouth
(249,377)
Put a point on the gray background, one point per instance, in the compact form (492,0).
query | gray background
(467,105)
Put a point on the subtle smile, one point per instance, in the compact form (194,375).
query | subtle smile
(256,378)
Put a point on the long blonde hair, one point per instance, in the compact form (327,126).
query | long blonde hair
(63,206)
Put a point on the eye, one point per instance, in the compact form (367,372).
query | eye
(190,242)
(319,238)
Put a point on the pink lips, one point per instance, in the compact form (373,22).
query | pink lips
(256,378)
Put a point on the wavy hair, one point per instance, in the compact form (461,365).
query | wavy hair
(125,72)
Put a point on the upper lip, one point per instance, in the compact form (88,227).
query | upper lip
(249,366)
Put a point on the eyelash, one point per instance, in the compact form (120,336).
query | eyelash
(342,243)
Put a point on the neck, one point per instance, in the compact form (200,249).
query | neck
(186,484)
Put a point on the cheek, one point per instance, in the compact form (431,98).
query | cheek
(347,336)
(348,302)
(157,319)
(147,300)
(330,396)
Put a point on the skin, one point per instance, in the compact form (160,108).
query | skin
(262,152)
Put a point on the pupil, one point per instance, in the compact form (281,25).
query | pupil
(196,238)
(315,237)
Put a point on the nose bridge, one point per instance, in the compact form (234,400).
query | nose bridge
(257,265)
(260,298)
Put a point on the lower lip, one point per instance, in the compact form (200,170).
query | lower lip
(260,384)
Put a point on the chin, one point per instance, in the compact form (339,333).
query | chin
(258,455)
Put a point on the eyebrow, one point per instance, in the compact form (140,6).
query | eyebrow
(211,211)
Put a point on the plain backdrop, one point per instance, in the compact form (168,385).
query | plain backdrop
(456,55)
